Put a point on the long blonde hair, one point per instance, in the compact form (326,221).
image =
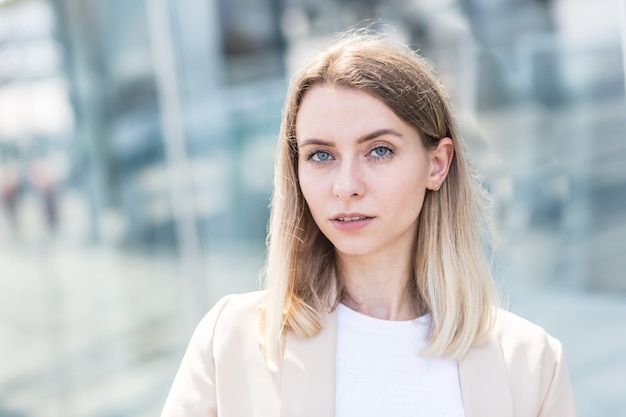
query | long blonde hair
(452,278)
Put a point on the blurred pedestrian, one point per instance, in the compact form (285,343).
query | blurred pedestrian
(10,189)
(45,180)
(379,299)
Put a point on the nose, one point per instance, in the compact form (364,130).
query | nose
(348,181)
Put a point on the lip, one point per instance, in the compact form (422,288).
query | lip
(351,222)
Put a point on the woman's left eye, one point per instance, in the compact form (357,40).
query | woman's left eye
(381,151)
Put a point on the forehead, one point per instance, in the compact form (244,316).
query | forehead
(338,111)
(332,97)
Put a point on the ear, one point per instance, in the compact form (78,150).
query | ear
(440,160)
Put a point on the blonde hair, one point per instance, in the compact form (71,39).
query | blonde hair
(452,278)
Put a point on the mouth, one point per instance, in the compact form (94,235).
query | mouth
(351,222)
(351,219)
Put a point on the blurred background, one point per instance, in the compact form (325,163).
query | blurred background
(136,158)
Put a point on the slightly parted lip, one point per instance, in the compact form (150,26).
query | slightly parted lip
(352,216)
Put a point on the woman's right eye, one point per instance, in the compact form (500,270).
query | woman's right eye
(319,156)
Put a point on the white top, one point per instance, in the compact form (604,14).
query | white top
(380,371)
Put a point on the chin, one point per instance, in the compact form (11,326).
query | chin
(352,250)
(353,246)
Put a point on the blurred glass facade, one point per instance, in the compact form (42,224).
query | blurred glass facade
(136,162)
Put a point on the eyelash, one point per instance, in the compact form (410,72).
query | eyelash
(389,149)
(310,155)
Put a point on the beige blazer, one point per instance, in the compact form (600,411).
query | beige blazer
(518,372)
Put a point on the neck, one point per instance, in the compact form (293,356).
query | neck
(377,287)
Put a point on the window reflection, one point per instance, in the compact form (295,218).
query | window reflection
(135,184)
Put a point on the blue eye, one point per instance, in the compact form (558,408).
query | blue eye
(381,151)
(320,156)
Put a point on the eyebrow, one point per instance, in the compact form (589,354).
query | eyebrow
(365,138)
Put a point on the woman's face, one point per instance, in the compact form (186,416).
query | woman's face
(363,171)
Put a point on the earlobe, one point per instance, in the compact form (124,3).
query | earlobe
(440,160)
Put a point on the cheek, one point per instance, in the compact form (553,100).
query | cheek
(313,203)
(308,190)
(303,185)
(404,201)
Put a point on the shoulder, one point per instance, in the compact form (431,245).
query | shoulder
(518,336)
(232,316)
(534,362)
(233,307)
(524,364)
(239,303)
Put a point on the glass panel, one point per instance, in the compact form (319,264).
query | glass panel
(136,164)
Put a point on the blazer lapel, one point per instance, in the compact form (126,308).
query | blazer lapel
(308,377)
(484,382)
(308,373)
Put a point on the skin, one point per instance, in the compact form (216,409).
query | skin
(364,173)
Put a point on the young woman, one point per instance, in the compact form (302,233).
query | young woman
(379,300)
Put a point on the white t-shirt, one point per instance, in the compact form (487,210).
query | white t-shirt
(380,371)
